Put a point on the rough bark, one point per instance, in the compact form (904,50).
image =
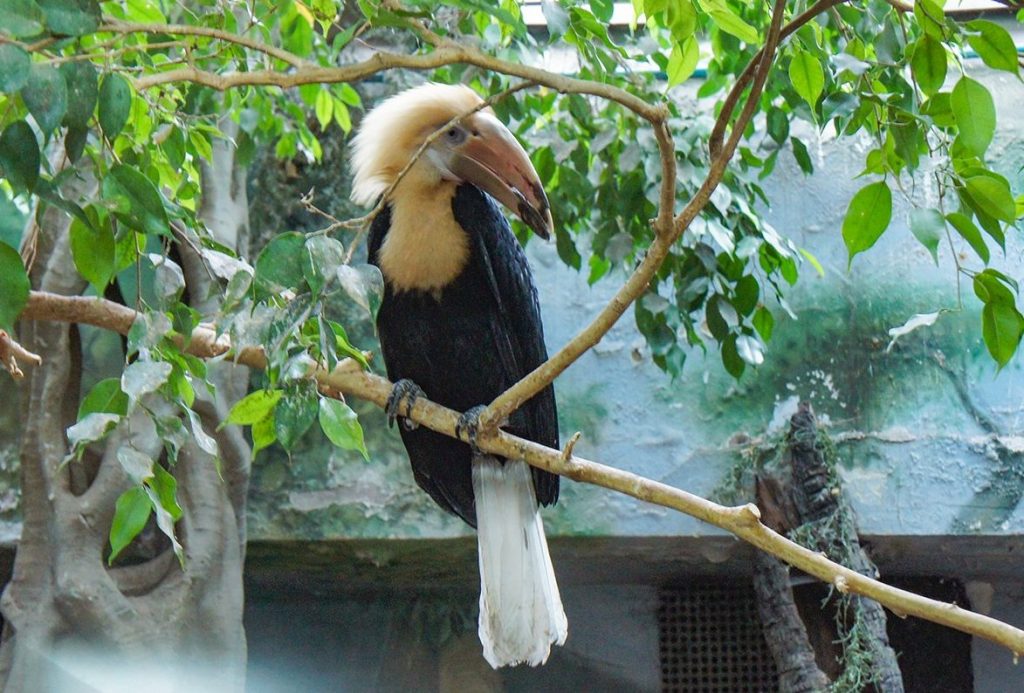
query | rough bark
(70,620)
(817,498)
(784,631)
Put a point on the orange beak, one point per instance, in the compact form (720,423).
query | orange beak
(483,152)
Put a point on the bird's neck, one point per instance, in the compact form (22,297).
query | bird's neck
(425,249)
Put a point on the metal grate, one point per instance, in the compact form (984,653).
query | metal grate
(711,641)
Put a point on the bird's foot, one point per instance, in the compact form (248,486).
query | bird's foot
(408,392)
(469,422)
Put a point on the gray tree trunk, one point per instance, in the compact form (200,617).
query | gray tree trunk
(71,621)
(816,499)
(784,630)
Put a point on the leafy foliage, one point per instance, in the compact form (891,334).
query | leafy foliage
(115,84)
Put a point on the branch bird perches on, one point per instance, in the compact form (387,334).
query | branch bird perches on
(743,521)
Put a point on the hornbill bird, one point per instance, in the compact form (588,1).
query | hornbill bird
(460,319)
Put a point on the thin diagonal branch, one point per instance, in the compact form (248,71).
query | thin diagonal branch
(742,521)
(543,375)
(116,26)
(743,81)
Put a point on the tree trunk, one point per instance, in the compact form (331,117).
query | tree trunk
(816,498)
(70,620)
(784,631)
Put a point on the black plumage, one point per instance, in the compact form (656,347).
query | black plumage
(464,345)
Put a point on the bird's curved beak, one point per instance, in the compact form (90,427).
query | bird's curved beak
(492,159)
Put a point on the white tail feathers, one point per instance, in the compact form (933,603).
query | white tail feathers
(521,611)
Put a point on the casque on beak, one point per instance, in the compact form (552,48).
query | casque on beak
(483,152)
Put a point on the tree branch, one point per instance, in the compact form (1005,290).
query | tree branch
(11,353)
(729,104)
(545,374)
(116,26)
(742,521)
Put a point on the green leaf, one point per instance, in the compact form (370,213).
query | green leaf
(137,465)
(166,487)
(323,254)
(342,117)
(928,64)
(280,263)
(747,293)
(341,426)
(994,44)
(809,256)
(294,414)
(802,156)
(115,104)
(254,407)
(807,76)
(764,323)
(556,17)
(105,397)
(75,141)
(992,286)
(14,67)
(71,17)
(681,19)
(204,440)
(930,16)
(778,124)
(143,377)
(46,96)
(165,518)
(970,233)
(728,21)
(731,359)
(992,196)
(602,9)
(82,82)
(130,515)
(975,115)
(348,95)
(19,156)
(91,428)
(20,18)
(364,284)
(345,346)
(263,434)
(93,250)
(14,286)
(867,217)
(927,225)
(324,108)
(682,61)
(1001,326)
(140,205)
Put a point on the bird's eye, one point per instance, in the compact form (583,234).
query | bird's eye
(455,135)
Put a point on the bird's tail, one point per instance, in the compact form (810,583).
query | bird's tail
(521,611)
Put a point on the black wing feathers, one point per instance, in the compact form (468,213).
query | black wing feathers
(467,345)
(517,319)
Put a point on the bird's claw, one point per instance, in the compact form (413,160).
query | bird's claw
(405,391)
(469,422)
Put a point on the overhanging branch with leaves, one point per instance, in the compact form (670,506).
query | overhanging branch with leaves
(890,86)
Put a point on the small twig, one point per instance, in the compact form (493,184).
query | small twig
(106,55)
(567,450)
(118,27)
(11,353)
(901,6)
